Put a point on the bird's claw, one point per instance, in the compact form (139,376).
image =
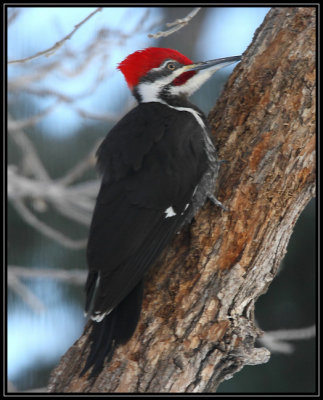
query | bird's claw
(217,202)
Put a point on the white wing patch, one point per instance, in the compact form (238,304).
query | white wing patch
(99,316)
(185,208)
(170,212)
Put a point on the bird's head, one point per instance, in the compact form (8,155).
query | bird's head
(155,74)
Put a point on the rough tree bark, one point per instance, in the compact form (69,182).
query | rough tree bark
(197,325)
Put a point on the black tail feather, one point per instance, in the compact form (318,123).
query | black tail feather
(116,328)
(90,288)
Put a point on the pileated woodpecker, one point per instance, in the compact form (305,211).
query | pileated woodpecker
(158,166)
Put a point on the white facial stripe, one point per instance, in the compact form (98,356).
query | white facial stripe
(149,91)
(193,83)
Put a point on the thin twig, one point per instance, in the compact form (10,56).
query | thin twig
(75,202)
(177,25)
(70,211)
(31,180)
(13,15)
(57,45)
(32,220)
(79,169)
(27,296)
(75,276)
(276,341)
(21,186)
(29,152)
(106,117)
(31,121)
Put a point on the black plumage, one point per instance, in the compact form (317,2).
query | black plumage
(151,162)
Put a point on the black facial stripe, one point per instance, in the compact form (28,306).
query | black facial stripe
(153,76)
(176,63)
(161,72)
(136,94)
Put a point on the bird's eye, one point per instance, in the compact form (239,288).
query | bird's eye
(171,66)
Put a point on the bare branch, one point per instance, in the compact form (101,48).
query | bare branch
(35,75)
(20,186)
(30,179)
(15,274)
(88,188)
(32,220)
(97,117)
(57,45)
(76,214)
(177,25)
(31,121)
(276,341)
(186,19)
(74,276)
(13,15)
(27,296)
(31,158)
(75,202)
(81,167)
(15,86)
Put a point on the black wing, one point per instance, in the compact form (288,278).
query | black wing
(151,162)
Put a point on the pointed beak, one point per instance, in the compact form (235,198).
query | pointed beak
(213,65)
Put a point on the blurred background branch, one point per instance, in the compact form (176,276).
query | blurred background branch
(277,341)
(176,25)
(29,179)
(57,45)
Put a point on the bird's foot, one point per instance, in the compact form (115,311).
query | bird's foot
(217,202)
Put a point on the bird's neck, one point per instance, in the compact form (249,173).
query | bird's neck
(148,92)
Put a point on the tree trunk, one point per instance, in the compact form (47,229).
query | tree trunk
(197,324)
